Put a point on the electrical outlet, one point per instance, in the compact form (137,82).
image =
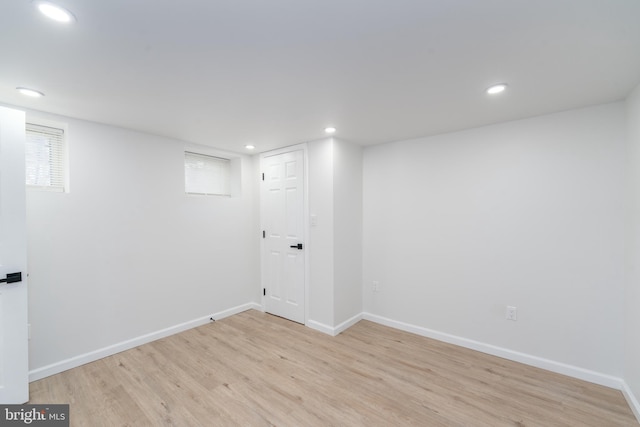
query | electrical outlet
(375,286)
(512,313)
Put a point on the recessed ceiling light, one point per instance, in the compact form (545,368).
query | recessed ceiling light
(250,147)
(330,130)
(30,92)
(495,89)
(55,12)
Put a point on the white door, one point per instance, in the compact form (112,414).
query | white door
(14,370)
(283,236)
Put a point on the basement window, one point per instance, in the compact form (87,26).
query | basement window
(45,155)
(208,175)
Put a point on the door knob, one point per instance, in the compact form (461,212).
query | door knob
(12,278)
(298,246)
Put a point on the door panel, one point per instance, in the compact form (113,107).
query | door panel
(14,364)
(283,220)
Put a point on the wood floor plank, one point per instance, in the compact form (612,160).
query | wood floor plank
(253,369)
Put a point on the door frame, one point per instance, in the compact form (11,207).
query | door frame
(305,222)
(17,380)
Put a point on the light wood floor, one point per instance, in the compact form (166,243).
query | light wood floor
(253,369)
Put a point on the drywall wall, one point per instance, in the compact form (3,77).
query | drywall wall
(347,190)
(126,252)
(335,233)
(321,243)
(528,213)
(632,297)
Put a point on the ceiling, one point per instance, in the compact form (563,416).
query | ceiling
(227,73)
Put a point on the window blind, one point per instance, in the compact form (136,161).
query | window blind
(206,174)
(44,153)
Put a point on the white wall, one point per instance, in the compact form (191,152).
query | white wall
(347,187)
(321,243)
(527,213)
(126,252)
(335,199)
(632,298)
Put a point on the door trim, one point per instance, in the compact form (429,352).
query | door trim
(305,223)
(14,300)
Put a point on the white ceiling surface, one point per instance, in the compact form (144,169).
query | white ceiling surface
(274,73)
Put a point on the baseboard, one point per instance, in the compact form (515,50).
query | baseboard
(331,330)
(320,327)
(631,400)
(92,356)
(527,359)
(347,324)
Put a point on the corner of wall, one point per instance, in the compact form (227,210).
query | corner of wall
(335,176)
(632,291)
(320,186)
(347,189)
